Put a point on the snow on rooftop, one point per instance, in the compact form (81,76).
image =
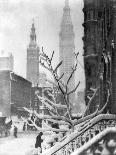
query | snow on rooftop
(5,54)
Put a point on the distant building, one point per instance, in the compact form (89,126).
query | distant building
(67,47)
(36,104)
(6,61)
(15,93)
(80,102)
(42,79)
(48,93)
(33,59)
(81,96)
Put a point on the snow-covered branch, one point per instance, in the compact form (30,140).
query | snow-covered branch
(44,117)
(91,99)
(72,73)
(72,91)
(60,122)
(59,64)
(52,56)
(52,103)
(45,129)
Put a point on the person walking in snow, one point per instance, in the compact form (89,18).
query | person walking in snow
(39,140)
(15,131)
(24,127)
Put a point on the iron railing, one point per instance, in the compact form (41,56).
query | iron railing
(83,133)
(104,142)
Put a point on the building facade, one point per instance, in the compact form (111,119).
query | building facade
(99,52)
(36,104)
(67,47)
(33,59)
(80,106)
(6,61)
(15,93)
(42,79)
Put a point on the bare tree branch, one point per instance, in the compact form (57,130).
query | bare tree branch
(91,99)
(52,114)
(59,64)
(61,77)
(59,122)
(51,107)
(52,56)
(52,117)
(100,111)
(76,55)
(72,91)
(47,128)
(42,64)
(61,86)
(52,103)
(66,113)
(29,111)
(97,112)
(85,118)
(73,71)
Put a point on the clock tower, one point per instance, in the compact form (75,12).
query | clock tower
(33,58)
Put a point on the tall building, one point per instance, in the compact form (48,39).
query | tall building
(67,47)
(33,58)
(6,61)
(42,79)
(15,93)
(80,96)
(99,51)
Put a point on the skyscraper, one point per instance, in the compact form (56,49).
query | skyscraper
(67,47)
(33,58)
(99,52)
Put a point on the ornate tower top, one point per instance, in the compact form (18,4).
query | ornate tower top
(33,58)
(66,23)
(66,19)
(32,35)
(66,3)
(67,47)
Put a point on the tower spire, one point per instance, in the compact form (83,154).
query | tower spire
(33,57)
(66,14)
(66,3)
(33,20)
(32,34)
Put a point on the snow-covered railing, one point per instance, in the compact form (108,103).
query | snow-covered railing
(104,142)
(82,135)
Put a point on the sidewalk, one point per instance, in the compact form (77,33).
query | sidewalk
(18,146)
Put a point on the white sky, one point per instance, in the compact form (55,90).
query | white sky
(15,24)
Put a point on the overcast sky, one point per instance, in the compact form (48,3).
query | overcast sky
(15,24)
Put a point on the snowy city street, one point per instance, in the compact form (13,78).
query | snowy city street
(57,77)
(18,146)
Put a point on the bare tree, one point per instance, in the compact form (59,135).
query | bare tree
(52,106)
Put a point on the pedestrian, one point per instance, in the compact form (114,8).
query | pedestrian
(24,126)
(39,140)
(56,126)
(15,131)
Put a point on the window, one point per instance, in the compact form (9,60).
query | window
(91,14)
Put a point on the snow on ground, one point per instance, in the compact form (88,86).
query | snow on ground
(18,146)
